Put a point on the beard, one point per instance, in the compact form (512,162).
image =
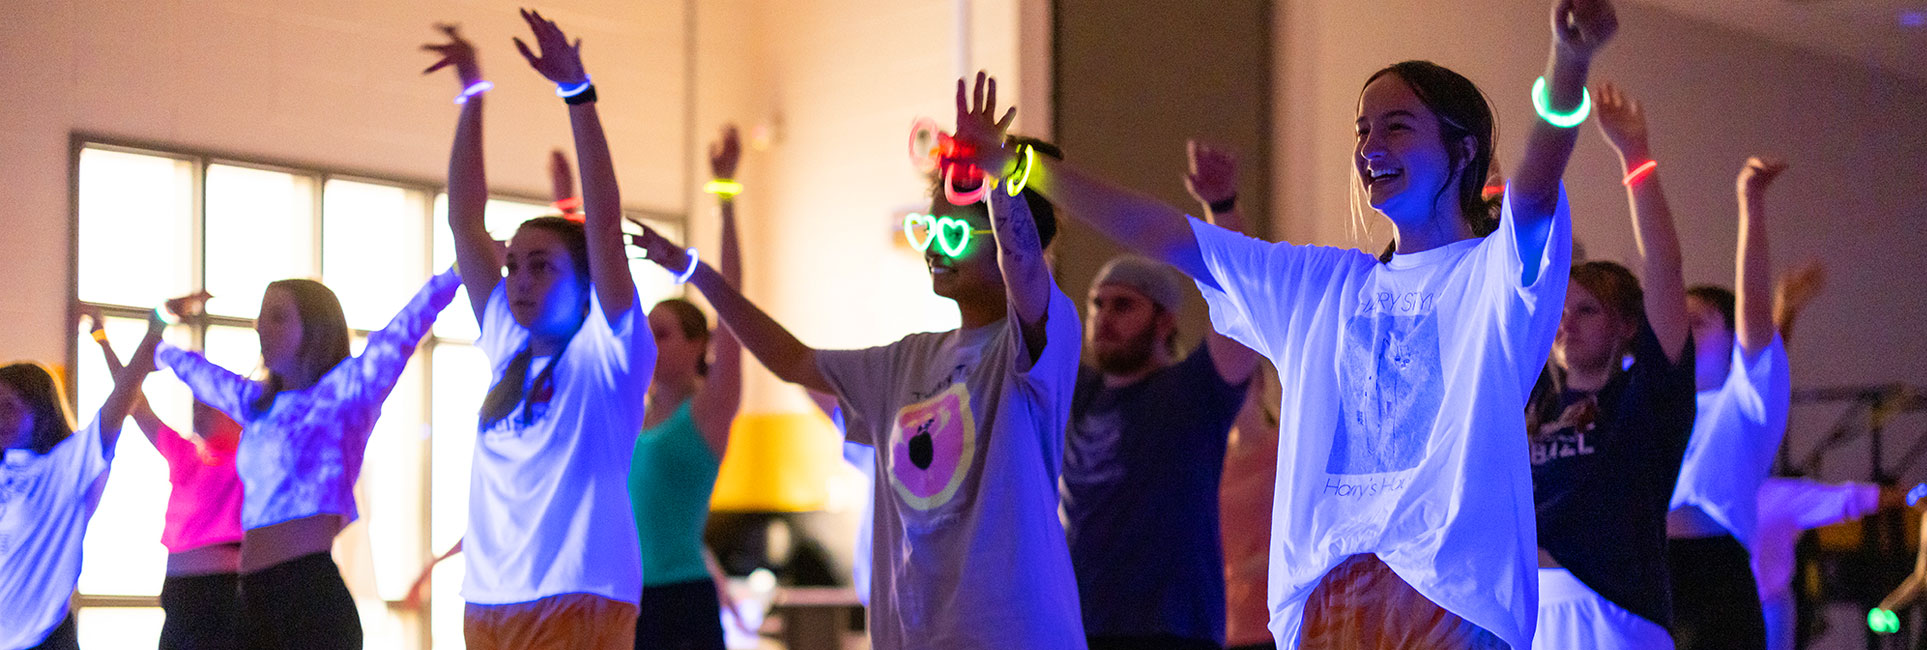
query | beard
(1128,356)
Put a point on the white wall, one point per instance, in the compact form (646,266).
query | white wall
(1851,200)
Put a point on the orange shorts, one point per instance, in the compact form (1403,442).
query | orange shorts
(563,622)
(1361,604)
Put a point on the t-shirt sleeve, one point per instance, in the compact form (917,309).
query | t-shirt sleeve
(1218,396)
(624,352)
(80,456)
(862,379)
(1669,384)
(1767,381)
(1531,310)
(388,350)
(1260,283)
(1812,504)
(1056,366)
(213,385)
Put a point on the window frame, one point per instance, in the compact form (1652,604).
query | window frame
(199,160)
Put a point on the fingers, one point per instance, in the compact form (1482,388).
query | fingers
(977,94)
(961,106)
(990,97)
(439,65)
(526,54)
(1009,116)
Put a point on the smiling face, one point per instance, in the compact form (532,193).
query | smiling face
(545,292)
(972,275)
(1399,157)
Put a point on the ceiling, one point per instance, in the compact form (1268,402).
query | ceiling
(1890,34)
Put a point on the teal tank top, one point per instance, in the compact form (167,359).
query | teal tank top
(671,477)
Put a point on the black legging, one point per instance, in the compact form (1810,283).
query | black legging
(299,604)
(202,612)
(680,616)
(1716,604)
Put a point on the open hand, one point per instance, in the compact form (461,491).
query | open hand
(90,314)
(1622,120)
(980,133)
(457,52)
(189,306)
(559,61)
(663,252)
(1213,175)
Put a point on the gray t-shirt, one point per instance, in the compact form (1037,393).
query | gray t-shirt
(969,436)
(1140,499)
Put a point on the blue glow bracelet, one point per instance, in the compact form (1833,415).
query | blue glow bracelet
(566,92)
(474,89)
(694,261)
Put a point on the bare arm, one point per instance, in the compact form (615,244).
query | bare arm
(722,394)
(1020,250)
(1754,302)
(476,254)
(1623,121)
(561,63)
(127,383)
(1213,179)
(144,417)
(1137,221)
(776,347)
(1580,28)
(1792,293)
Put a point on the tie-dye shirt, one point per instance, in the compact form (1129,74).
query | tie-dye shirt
(1402,426)
(969,435)
(300,457)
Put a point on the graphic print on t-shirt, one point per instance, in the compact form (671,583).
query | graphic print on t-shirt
(1567,436)
(1391,385)
(18,477)
(932,446)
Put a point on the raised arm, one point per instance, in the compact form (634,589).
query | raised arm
(144,417)
(776,347)
(1792,293)
(1623,121)
(561,63)
(1213,181)
(1139,222)
(1579,28)
(381,362)
(1020,251)
(1754,302)
(722,394)
(476,254)
(127,384)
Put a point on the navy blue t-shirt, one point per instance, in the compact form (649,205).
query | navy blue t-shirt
(1140,499)
(1603,469)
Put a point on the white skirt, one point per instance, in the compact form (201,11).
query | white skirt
(1572,616)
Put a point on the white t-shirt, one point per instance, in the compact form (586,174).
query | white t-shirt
(548,504)
(969,437)
(45,502)
(1735,434)
(1402,426)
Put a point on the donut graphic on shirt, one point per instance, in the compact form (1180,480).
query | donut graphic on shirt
(932,446)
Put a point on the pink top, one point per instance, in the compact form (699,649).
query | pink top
(205,507)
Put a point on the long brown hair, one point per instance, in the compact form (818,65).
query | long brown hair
(52,423)
(324,335)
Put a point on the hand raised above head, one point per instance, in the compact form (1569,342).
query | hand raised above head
(559,61)
(1758,174)
(1581,27)
(457,52)
(980,133)
(725,153)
